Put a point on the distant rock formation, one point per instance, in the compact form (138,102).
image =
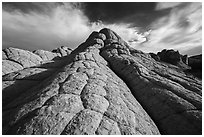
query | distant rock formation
(191,65)
(173,57)
(170,56)
(103,87)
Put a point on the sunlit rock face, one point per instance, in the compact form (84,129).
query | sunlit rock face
(15,59)
(103,87)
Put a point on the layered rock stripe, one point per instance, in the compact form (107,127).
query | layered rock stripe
(103,87)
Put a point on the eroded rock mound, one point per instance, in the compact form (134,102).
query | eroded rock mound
(173,57)
(103,87)
(15,59)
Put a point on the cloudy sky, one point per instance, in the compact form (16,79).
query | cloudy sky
(149,27)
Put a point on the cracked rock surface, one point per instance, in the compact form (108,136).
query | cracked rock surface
(103,87)
(15,59)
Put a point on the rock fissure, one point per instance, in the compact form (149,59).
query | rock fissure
(65,128)
(16,62)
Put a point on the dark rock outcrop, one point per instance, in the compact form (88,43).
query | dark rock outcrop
(195,62)
(191,65)
(103,87)
(170,56)
(173,57)
(185,59)
(155,56)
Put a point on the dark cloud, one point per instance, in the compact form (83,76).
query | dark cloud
(137,14)
(144,20)
(112,11)
(120,12)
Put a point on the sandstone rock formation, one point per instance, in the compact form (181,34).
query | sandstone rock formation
(63,51)
(102,87)
(17,59)
(172,57)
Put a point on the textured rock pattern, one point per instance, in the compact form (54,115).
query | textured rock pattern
(17,59)
(19,81)
(63,51)
(82,93)
(46,55)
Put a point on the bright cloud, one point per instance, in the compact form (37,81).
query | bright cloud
(180,30)
(66,26)
(165,5)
